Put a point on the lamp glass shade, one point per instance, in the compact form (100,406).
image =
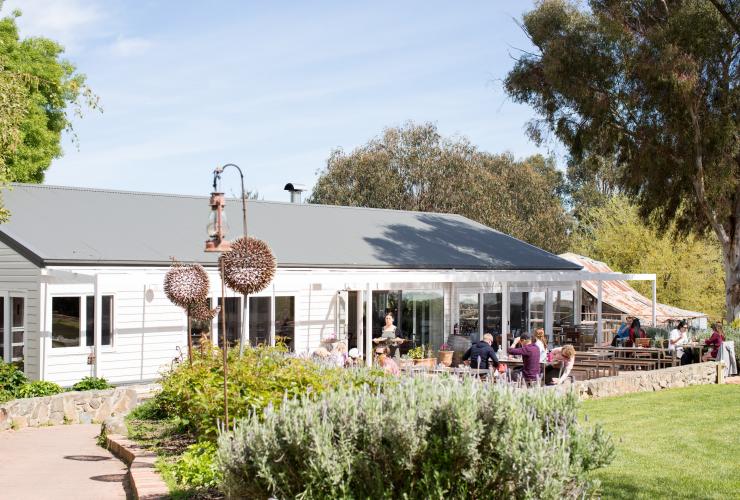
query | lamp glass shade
(212,228)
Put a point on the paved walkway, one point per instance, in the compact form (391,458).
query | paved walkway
(61,462)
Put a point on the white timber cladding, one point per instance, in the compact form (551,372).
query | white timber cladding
(20,278)
(149,331)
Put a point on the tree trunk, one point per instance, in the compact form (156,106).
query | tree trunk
(731,264)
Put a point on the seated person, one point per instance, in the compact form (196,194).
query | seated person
(480,353)
(541,343)
(715,341)
(530,354)
(676,339)
(635,331)
(563,358)
(386,362)
(622,331)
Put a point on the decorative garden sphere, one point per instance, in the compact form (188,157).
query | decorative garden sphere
(186,284)
(250,265)
(200,311)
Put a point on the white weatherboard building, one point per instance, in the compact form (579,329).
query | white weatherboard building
(81,275)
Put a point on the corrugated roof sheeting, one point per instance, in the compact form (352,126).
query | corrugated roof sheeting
(65,225)
(620,295)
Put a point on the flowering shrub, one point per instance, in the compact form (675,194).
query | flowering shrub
(422,438)
(260,377)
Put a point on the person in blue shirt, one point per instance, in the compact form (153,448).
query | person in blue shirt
(623,331)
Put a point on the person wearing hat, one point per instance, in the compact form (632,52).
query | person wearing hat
(353,357)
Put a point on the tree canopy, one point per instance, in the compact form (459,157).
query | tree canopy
(652,85)
(688,269)
(414,168)
(38,91)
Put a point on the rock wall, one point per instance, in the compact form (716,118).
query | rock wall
(67,408)
(650,380)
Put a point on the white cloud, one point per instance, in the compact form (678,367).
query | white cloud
(127,47)
(68,22)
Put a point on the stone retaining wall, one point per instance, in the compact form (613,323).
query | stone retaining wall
(69,407)
(647,381)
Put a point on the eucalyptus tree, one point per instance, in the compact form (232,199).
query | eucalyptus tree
(653,85)
(414,168)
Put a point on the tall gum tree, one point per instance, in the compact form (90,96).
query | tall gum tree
(654,85)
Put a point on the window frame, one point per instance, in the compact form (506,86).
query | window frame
(81,348)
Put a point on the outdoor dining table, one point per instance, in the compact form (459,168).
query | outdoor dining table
(696,348)
(661,355)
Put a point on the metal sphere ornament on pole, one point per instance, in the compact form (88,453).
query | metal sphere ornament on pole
(250,265)
(186,286)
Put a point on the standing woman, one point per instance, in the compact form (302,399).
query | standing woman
(541,343)
(389,329)
(715,341)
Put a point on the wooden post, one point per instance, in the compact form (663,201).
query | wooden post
(225,345)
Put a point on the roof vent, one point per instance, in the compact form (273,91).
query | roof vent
(296,191)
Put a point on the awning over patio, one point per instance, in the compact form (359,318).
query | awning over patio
(620,295)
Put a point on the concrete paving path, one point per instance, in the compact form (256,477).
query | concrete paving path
(61,462)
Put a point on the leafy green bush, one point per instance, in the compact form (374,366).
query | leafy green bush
(11,378)
(6,396)
(38,388)
(148,410)
(197,467)
(260,377)
(91,383)
(422,438)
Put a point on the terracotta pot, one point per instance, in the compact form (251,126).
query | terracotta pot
(426,362)
(445,357)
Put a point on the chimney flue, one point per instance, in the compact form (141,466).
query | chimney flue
(296,191)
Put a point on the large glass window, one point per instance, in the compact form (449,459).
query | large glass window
(422,317)
(492,306)
(562,307)
(233,312)
(352,320)
(469,313)
(107,320)
(519,312)
(17,328)
(65,321)
(259,320)
(285,320)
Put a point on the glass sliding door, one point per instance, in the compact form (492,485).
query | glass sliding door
(536,310)
(422,317)
(492,307)
(469,315)
(259,320)
(384,302)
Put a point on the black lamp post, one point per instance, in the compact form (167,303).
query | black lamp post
(217,242)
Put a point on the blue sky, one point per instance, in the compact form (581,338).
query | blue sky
(274,86)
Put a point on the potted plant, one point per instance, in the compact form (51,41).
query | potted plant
(419,356)
(659,341)
(444,355)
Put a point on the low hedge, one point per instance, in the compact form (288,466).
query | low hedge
(421,438)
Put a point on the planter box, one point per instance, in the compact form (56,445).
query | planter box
(445,357)
(426,362)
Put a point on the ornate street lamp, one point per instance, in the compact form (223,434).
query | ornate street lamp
(217,242)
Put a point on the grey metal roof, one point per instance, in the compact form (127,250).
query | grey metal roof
(54,225)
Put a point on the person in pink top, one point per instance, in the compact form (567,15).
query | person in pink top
(715,341)
(386,362)
(562,358)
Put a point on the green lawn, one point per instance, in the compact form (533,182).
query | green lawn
(679,443)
